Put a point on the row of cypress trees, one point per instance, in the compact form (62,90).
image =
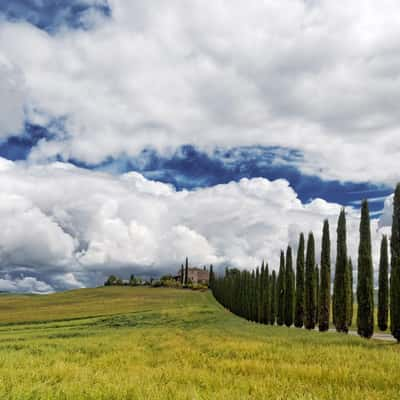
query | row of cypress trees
(303,297)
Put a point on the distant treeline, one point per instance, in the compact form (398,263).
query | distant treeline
(301,295)
(164,281)
(114,280)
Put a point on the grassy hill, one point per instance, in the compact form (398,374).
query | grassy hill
(147,343)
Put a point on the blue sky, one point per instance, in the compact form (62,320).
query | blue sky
(50,15)
(182,109)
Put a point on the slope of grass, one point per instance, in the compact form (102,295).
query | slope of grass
(144,343)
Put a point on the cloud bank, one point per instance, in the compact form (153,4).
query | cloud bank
(309,75)
(65,227)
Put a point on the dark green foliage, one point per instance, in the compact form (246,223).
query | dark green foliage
(316,294)
(186,281)
(299,307)
(253,295)
(309,290)
(340,291)
(112,280)
(258,300)
(133,281)
(350,291)
(265,295)
(383,295)
(280,292)
(395,268)
(262,294)
(272,317)
(289,289)
(365,281)
(325,280)
(211,277)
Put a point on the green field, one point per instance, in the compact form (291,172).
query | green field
(147,343)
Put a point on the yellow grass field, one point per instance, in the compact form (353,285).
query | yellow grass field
(146,343)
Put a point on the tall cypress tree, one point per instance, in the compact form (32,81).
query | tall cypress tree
(262,293)
(350,292)
(340,293)
(309,292)
(280,289)
(365,281)
(272,294)
(325,280)
(299,307)
(186,271)
(253,296)
(383,295)
(258,295)
(289,288)
(211,278)
(316,294)
(266,297)
(246,305)
(182,274)
(249,296)
(395,268)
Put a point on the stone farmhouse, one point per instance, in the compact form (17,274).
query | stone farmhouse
(197,275)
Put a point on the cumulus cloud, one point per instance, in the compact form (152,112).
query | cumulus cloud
(12,98)
(69,227)
(310,75)
(25,285)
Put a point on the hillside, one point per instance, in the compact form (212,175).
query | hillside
(146,343)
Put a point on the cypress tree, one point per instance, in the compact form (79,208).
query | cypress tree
(272,319)
(262,293)
(309,289)
(252,295)
(365,281)
(289,288)
(182,274)
(186,270)
(299,307)
(280,289)
(325,280)
(395,268)
(258,295)
(316,294)
(350,291)
(211,277)
(340,296)
(266,296)
(243,301)
(383,295)
(249,295)
(255,295)
(246,304)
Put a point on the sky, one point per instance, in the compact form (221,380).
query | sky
(136,133)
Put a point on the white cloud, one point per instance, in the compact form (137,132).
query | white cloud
(69,227)
(25,285)
(12,98)
(29,236)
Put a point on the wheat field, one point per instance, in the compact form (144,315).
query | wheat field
(147,343)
